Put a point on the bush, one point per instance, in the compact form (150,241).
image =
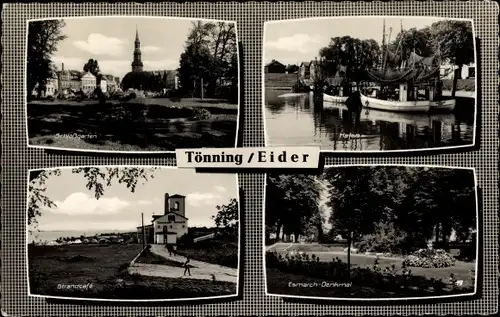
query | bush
(200,114)
(385,239)
(429,258)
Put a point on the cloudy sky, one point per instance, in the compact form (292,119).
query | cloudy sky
(292,42)
(111,42)
(119,209)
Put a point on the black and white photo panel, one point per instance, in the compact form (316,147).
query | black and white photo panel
(117,84)
(395,84)
(372,232)
(132,234)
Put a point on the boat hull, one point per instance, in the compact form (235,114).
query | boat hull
(416,119)
(443,105)
(408,106)
(330,98)
(398,106)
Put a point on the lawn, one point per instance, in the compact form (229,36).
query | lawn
(279,282)
(317,248)
(216,251)
(280,80)
(150,124)
(105,268)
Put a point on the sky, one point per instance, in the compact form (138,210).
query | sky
(120,210)
(292,42)
(110,40)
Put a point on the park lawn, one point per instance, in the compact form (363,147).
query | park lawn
(461,270)
(162,128)
(315,248)
(105,267)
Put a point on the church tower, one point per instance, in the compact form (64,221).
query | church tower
(137,63)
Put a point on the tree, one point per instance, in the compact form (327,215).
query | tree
(356,55)
(97,179)
(43,38)
(455,42)
(226,218)
(291,201)
(210,56)
(92,66)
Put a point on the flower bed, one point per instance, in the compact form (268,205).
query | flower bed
(435,258)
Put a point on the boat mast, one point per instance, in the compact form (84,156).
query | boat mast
(387,49)
(382,56)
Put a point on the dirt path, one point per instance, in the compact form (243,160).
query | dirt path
(199,269)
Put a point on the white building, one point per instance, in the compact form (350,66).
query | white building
(468,71)
(170,226)
(89,83)
(51,88)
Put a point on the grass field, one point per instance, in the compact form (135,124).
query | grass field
(152,124)
(216,251)
(272,80)
(105,268)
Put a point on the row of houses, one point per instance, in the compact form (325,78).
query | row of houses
(66,82)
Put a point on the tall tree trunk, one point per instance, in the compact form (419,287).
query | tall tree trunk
(278,231)
(455,80)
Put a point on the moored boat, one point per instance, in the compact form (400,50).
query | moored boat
(330,98)
(413,118)
(443,105)
(394,105)
(409,83)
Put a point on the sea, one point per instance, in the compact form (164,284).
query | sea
(41,236)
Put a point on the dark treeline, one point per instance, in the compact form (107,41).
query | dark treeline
(384,208)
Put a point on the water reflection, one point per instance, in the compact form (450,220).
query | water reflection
(304,119)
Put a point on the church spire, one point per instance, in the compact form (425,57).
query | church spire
(137,62)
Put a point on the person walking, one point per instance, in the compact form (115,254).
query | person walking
(187,267)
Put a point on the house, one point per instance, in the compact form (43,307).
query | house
(89,83)
(304,70)
(308,70)
(148,233)
(51,87)
(275,67)
(69,80)
(448,71)
(167,228)
(103,85)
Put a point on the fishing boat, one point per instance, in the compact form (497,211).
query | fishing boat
(336,99)
(416,119)
(410,84)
